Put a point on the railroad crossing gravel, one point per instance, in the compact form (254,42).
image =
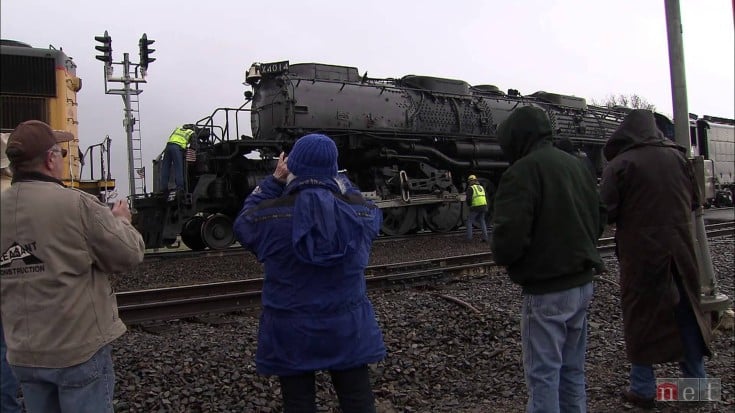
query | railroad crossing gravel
(442,356)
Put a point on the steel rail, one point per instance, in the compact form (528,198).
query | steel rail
(190,300)
(221,297)
(235,249)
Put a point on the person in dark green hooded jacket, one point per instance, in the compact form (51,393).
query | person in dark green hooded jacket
(548,218)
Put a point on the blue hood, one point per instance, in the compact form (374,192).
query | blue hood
(313,237)
(325,227)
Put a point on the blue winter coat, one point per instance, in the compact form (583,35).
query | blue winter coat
(314,240)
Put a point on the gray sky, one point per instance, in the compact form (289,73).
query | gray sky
(586,48)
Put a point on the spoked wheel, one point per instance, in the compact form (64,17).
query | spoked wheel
(217,232)
(191,235)
(399,220)
(443,217)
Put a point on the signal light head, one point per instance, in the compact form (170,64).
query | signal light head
(105,48)
(145,52)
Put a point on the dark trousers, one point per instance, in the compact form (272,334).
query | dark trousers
(8,401)
(352,386)
(173,156)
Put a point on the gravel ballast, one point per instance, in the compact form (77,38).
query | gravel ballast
(442,356)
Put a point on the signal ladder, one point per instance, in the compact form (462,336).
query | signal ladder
(136,145)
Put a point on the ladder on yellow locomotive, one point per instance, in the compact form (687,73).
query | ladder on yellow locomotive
(100,182)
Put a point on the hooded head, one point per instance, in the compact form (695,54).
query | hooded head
(326,228)
(637,129)
(525,127)
(313,155)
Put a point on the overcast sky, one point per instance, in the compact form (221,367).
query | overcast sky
(586,48)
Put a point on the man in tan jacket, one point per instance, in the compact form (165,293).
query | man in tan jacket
(58,246)
(8,382)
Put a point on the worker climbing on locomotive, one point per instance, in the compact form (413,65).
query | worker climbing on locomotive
(477,201)
(174,155)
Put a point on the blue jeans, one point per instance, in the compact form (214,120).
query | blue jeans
(554,339)
(9,401)
(84,388)
(642,376)
(479,217)
(353,389)
(173,155)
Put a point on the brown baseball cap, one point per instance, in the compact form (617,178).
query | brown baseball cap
(31,139)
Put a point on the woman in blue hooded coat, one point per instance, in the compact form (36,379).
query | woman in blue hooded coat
(313,232)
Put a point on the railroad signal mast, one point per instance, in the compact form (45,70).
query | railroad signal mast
(711,299)
(133,75)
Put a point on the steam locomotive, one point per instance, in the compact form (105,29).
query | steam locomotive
(409,143)
(713,139)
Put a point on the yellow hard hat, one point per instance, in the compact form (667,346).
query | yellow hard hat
(472,178)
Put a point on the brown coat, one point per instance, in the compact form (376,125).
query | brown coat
(649,189)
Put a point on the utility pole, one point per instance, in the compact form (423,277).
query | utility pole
(711,299)
(131,80)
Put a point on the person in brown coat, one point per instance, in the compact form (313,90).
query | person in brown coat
(650,192)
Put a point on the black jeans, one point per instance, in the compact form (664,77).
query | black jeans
(352,386)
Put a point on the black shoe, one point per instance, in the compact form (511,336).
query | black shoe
(639,401)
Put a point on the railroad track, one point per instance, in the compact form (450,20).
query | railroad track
(221,297)
(721,229)
(236,249)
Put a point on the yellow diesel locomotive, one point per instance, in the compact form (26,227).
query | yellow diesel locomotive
(41,83)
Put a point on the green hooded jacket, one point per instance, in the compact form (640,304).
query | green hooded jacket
(548,215)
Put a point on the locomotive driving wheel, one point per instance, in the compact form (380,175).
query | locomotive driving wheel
(443,217)
(399,220)
(191,234)
(217,232)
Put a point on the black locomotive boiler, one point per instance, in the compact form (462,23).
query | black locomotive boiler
(409,143)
